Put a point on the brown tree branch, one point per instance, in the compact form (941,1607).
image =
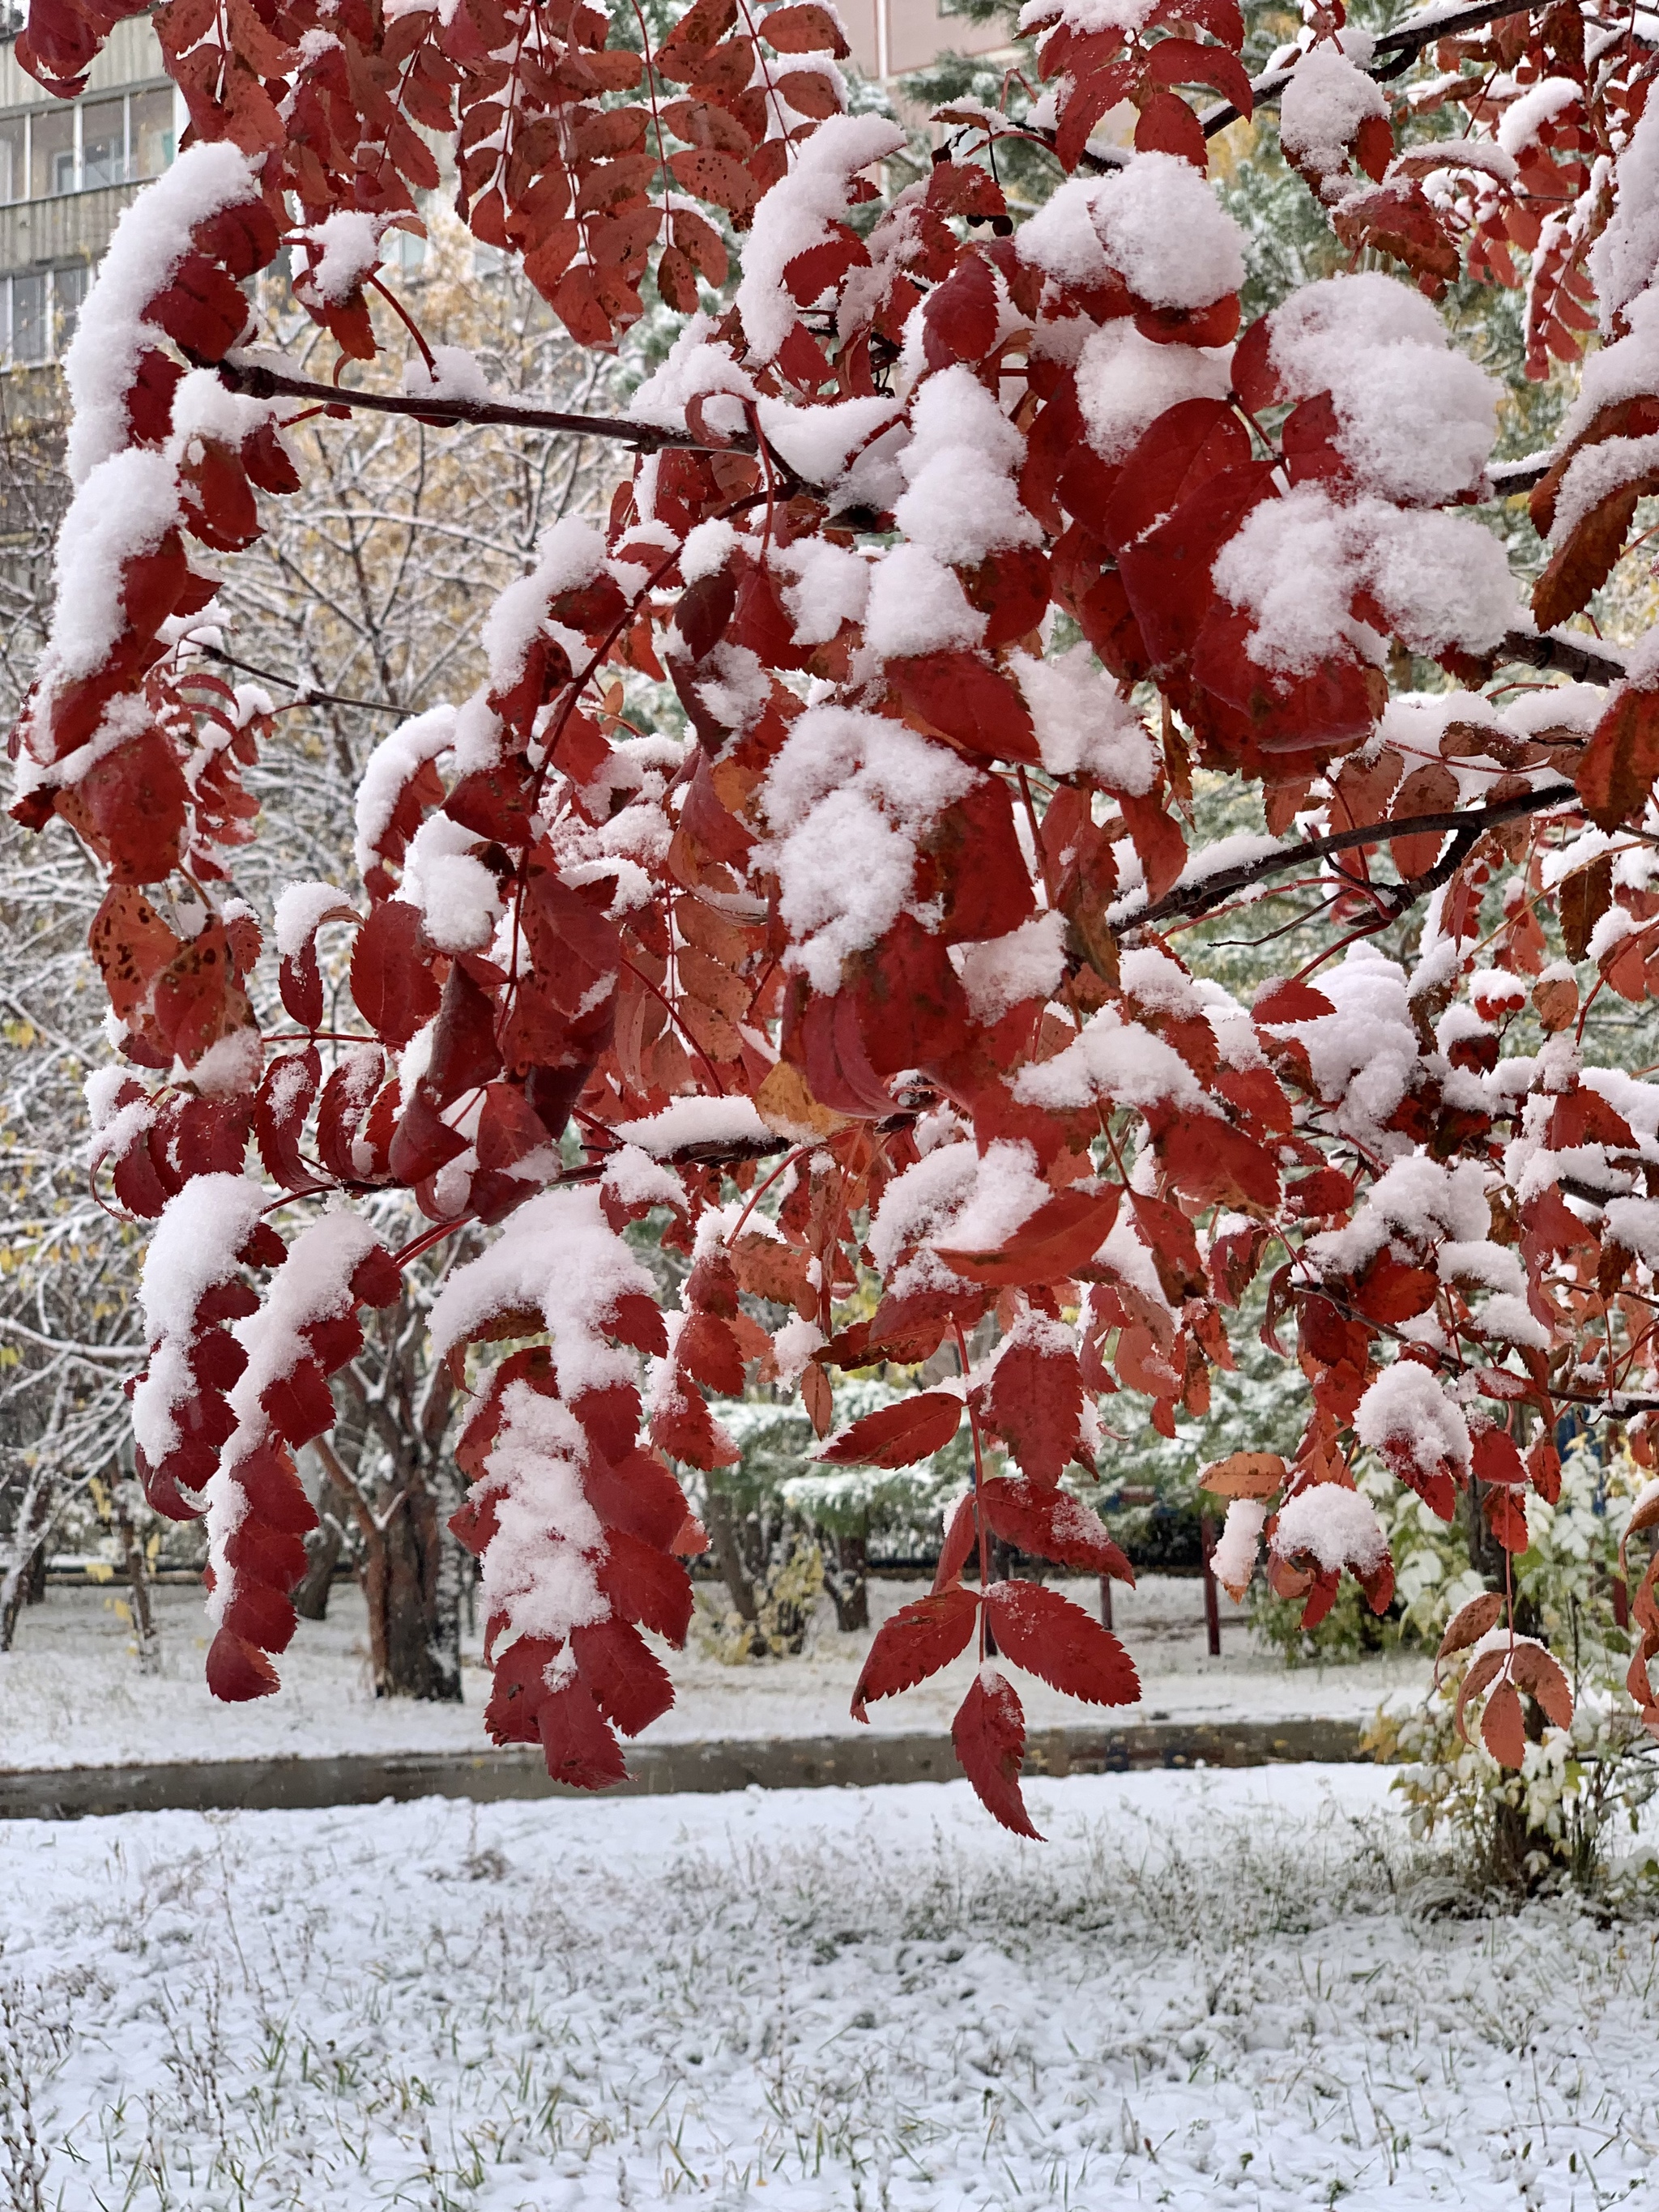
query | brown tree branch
(261,379)
(1565,656)
(1464,825)
(1395,52)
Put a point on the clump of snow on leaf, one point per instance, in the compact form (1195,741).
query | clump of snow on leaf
(1416,420)
(1320,111)
(558,1256)
(955,1196)
(1084,725)
(150,240)
(1125,381)
(1156,222)
(1297,564)
(847,798)
(1333,1525)
(1233,1560)
(1407,1416)
(962,502)
(795,216)
(1029,963)
(537,1576)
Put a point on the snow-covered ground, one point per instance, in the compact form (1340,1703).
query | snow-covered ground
(70,1694)
(1205,1991)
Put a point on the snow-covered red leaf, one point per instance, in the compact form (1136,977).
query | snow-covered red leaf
(1049,1523)
(1061,1237)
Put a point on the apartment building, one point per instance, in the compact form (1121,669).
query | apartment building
(68,168)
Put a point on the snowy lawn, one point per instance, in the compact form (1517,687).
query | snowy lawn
(1207,1990)
(70,1694)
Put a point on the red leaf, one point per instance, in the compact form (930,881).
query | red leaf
(1496,1458)
(1051,1524)
(392,979)
(916,1642)
(1168,126)
(576,1741)
(1506,1516)
(967,699)
(803,29)
(1055,1640)
(238,1671)
(990,1735)
(647,1585)
(1280,1002)
(960,1538)
(1619,767)
(960,317)
(1501,1728)
(290,1083)
(1159,843)
(1034,1402)
(630,1684)
(1063,1235)
(897,1435)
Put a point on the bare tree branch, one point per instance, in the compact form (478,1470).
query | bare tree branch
(1397,51)
(1464,824)
(262,380)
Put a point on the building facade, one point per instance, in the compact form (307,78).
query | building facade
(68,168)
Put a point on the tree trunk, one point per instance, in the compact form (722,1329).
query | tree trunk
(728,1552)
(24,1545)
(324,1544)
(35,1575)
(421,1628)
(132,1552)
(845,1578)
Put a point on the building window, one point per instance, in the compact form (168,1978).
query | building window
(52,152)
(103,143)
(152,140)
(14,158)
(119,139)
(39,310)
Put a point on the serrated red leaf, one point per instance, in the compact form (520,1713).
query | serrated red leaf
(238,1671)
(1503,1728)
(988,1733)
(391,979)
(1061,1237)
(915,1643)
(1035,1403)
(1506,1516)
(1050,1638)
(576,1741)
(1049,1523)
(628,1683)
(897,1435)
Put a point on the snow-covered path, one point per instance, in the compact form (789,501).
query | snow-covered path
(1208,1990)
(72,1696)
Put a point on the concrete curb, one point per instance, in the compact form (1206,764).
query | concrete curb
(820,1762)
